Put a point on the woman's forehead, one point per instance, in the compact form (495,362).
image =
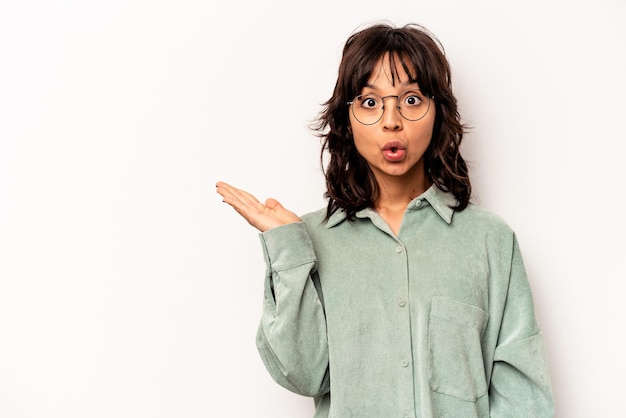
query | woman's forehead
(390,70)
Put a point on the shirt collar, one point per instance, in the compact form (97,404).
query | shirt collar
(442,202)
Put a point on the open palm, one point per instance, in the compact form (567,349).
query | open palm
(261,216)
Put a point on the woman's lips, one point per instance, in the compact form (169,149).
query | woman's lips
(394,151)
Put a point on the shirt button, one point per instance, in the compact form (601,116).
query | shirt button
(418,203)
(402,302)
(399,249)
(404,363)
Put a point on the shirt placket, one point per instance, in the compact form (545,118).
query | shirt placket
(404,351)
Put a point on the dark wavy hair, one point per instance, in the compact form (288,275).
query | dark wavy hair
(350,183)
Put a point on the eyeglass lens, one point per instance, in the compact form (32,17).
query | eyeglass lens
(368,108)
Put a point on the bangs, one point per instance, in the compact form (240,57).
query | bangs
(408,67)
(403,54)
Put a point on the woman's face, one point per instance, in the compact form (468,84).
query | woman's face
(394,146)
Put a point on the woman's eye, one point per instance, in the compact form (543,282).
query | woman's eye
(369,102)
(412,100)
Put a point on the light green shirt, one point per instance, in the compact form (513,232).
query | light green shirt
(435,322)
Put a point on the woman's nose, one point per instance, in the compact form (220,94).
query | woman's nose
(392,120)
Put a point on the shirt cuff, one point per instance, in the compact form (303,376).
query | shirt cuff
(287,246)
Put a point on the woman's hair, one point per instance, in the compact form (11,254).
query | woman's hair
(350,183)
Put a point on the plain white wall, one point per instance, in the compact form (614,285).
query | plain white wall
(128,289)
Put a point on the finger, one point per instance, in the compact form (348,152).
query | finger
(222,188)
(280,213)
(225,189)
(249,199)
(246,205)
(239,198)
(272,204)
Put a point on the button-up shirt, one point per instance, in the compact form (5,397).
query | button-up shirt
(436,321)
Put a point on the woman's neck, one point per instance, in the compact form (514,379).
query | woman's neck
(394,197)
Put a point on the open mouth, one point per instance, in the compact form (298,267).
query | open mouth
(394,152)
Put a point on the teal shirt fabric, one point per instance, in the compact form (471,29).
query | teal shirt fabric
(437,321)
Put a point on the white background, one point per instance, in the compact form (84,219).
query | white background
(128,289)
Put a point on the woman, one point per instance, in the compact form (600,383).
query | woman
(401,298)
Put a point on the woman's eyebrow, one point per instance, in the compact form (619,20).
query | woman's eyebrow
(406,84)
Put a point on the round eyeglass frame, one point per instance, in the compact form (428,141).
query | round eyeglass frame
(351,104)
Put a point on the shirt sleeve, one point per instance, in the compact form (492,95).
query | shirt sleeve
(291,338)
(520,381)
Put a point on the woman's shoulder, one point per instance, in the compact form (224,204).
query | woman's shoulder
(479,217)
(315,219)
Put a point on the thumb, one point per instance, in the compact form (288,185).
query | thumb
(273,204)
(279,213)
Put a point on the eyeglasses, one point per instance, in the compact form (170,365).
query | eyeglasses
(368,109)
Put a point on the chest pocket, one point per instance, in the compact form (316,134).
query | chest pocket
(455,357)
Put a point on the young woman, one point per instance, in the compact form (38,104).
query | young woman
(400,298)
